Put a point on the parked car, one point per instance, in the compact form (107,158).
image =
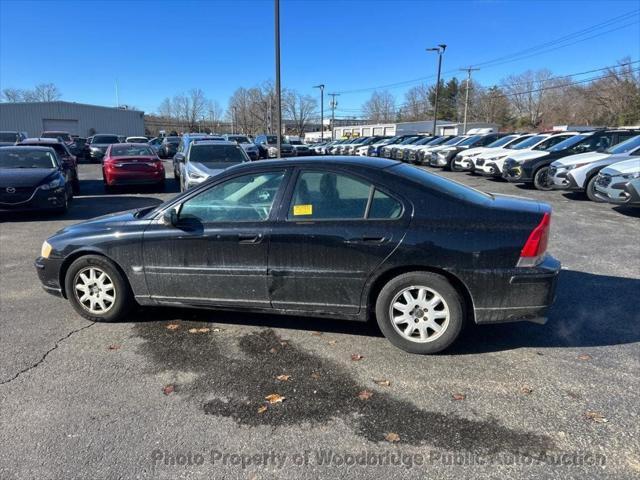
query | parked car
(414,152)
(206,158)
(268,146)
(632,190)
(169,146)
(156,144)
(247,145)
(579,172)
(387,150)
(333,150)
(343,238)
(136,140)
(534,167)
(81,149)
(8,138)
(64,137)
(397,151)
(183,148)
(354,142)
(612,184)
(33,178)
(413,147)
(99,144)
(428,151)
(373,149)
(132,164)
(491,164)
(67,160)
(444,156)
(463,160)
(300,149)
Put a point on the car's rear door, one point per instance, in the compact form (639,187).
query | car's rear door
(333,231)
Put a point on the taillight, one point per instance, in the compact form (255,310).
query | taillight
(536,245)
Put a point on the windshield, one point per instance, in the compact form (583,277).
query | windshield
(64,136)
(569,142)
(423,141)
(137,140)
(131,151)
(437,141)
(470,140)
(23,158)
(8,137)
(453,141)
(216,154)
(626,146)
(409,140)
(239,139)
(502,141)
(529,142)
(105,139)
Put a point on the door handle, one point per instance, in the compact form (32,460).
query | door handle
(374,240)
(250,238)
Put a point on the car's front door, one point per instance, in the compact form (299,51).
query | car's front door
(215,252)
(330,236)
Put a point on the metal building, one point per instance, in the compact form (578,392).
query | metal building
(443,127)
(75,118)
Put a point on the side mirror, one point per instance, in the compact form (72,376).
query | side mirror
(170,218)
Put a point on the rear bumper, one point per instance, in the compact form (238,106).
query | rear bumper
(134,178)
(518,294)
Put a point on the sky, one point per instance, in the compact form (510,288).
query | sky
(157,49)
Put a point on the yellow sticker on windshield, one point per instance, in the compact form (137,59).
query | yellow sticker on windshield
(303,209)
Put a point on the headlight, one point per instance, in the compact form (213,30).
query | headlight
(45,251)
(195,175)
(631,176)
(52,184)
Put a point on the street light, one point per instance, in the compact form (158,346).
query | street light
(321,87)
(440,49)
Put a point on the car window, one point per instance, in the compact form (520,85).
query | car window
(248,198)
(550,142)
(384,207)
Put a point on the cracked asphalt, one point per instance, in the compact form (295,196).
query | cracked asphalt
(81,400)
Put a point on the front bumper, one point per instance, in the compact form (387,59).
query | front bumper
(563,180)
(39,200)
(521,294)
(48,270)
(514,172)
(613,190)
(463,163)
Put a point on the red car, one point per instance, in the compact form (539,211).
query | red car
(131,164)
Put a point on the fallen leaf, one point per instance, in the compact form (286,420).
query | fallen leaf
(458,396)
(284,343)
(356,357)
(365,394)
(315,375)
(216,329)
(168,389)
(173,326)
(526,390)
(392,437)
(317,334)
(199,330)
(283,378)
(332,342)
(113,347)
(273,350)
(274,398)
(383,383)
(595,417)
(262,409)
(574,395)
(584,357)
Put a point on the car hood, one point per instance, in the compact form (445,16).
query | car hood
(474,151)
(621,168)
(587,157)
(112,221)
(24,177)
(496,152)
(212,169)
(528,155)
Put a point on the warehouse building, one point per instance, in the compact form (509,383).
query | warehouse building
(443,127)
(75,118)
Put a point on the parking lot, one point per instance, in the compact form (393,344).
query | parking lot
(176,393)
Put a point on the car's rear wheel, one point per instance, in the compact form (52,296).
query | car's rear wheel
(541,179)
(97,290)
(420,312)
(590,190)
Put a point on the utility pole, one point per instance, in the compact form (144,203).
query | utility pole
(334,104)
(278,96)
(269,119)
(321,87)
(440,49)
(234,119)
(466,99)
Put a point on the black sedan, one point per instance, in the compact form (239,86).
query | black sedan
(339,237)
(33,178)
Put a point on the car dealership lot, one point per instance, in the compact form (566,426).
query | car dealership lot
(83,400)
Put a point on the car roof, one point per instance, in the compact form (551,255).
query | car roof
(36,140)
(212,141)
(333,160)
(31,147)
(125,144)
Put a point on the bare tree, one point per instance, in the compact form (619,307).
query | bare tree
(12,95)
(299,109)
(44,92)
(528,94)
(381,107)
(416,104)
(214,114)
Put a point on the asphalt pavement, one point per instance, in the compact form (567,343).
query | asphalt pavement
(177,393)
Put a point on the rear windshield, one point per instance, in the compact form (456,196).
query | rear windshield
(131,151)
(64,136)
(105,139)
(137,140)
(8,137)
(25,158)
(215,154)
(239,139)
(441,184)
(60,148)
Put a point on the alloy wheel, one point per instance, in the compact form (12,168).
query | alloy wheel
(94,290)
(419,314)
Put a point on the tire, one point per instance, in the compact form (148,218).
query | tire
(65,207)
(436,287)
(113,285)
(108,189)
(76,184)
(161,186)
(590,190)
(455,168)
(541,179)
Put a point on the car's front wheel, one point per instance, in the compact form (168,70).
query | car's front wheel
(541,179)
(97,290)
(590,190)
(420,312)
